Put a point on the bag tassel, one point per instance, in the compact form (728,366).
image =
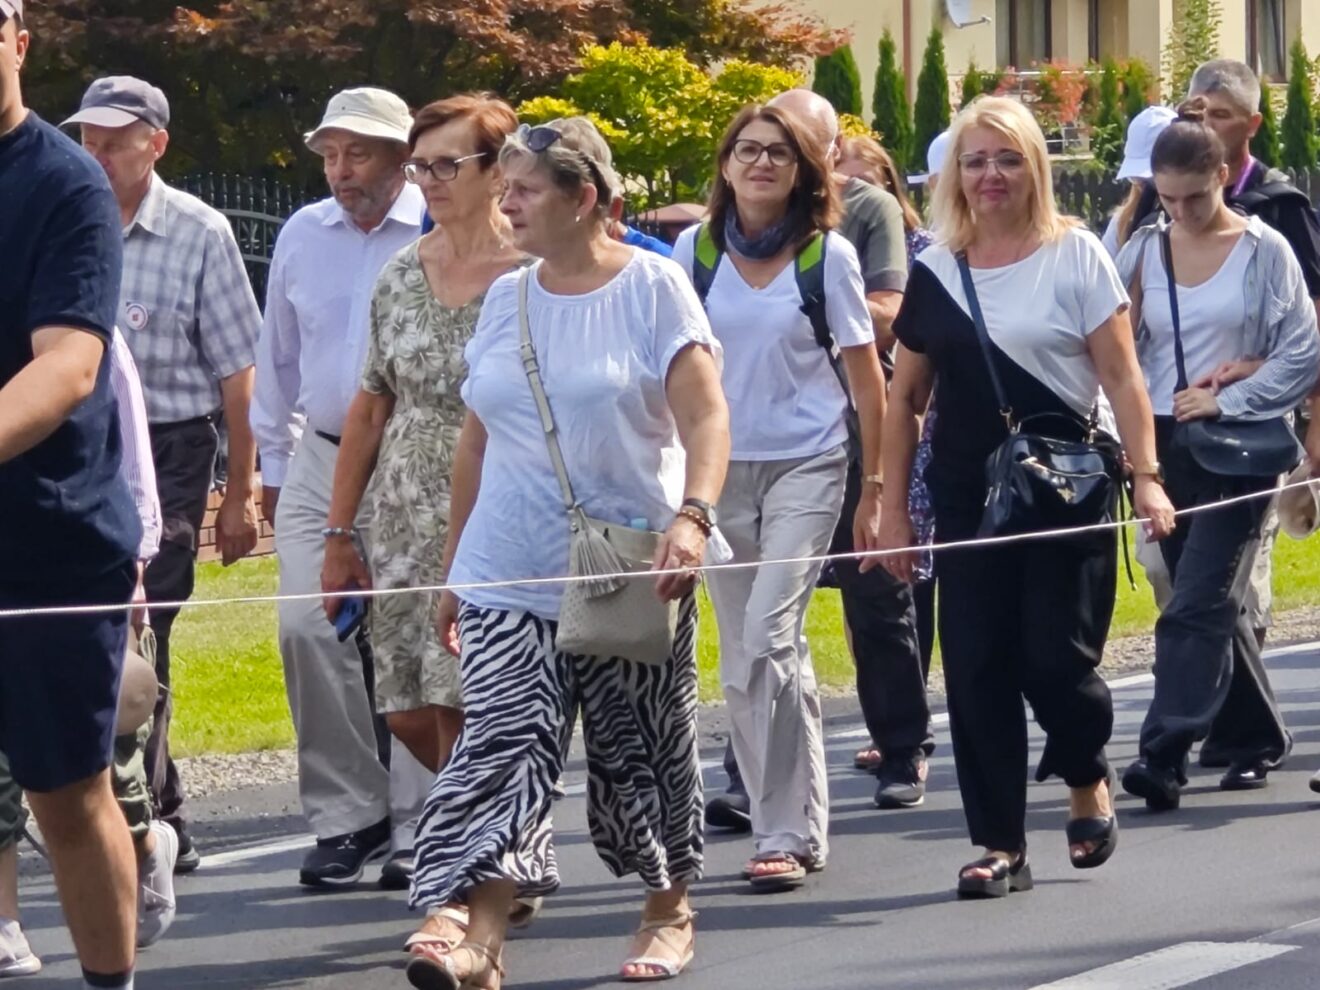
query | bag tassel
(591,553)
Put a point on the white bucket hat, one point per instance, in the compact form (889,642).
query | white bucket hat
(1299,508)
(1144,128)
(370,112)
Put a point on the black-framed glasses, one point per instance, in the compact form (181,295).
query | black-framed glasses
(440,169)
(538,138)
(976,163)
(749,152)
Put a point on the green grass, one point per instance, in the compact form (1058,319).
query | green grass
(229,684)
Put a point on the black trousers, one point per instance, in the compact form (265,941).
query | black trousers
(892,665)
(1023,622)
(185,461)
(1207,659)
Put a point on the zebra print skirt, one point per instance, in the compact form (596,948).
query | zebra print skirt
(488,816)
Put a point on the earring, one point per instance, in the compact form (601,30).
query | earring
(578,218)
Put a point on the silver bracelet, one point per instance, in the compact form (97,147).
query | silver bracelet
(350,532)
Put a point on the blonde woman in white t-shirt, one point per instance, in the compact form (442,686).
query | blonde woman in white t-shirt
(772,198)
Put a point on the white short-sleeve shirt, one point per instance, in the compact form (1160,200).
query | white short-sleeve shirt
(784,398)
(604,358)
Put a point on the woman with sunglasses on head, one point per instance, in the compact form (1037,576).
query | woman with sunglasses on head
(402,429)
(1023,621)
(771,212)
(609,344)
(1226,336)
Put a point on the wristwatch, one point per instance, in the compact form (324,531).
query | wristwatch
(705,508)
(1154,470)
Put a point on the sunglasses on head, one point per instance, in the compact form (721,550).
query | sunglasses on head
(538,138)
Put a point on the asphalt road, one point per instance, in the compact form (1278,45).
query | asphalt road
(1224,893)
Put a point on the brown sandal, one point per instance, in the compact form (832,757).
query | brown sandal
(431,932)
(661,929)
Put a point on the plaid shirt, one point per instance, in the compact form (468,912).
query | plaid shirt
(185,305)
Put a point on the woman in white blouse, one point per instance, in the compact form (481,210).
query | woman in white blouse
(631,374)
(771,211)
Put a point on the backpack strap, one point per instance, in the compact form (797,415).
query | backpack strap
(706,257)
(809,269)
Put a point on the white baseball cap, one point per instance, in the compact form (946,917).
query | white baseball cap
(370,112)
(1144,128)
(11,8)
(935,155)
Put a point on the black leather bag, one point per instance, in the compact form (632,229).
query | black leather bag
(1256,448)
(1039,477)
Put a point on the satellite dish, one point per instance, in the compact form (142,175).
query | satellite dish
(960,12)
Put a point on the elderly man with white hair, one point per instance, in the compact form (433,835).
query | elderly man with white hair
(358,792)
(878,608)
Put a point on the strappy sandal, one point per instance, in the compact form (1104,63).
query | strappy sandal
(867,759)
(524,911)
(427,935)
(1101,830)
(1004,879)
(430,969)
(661,929)
(789,879)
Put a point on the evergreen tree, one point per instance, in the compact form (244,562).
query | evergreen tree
(1193,39)
(1109,127)
(973,85)
(1301,147)
(892,118)
(932,111)
(839,80)
(1138,83)
(1265,145)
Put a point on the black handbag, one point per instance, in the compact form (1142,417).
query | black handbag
(1255,448)
(1035,480)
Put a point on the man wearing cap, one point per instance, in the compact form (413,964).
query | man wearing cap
(936,152)
(68,531)
(187,311)
(353,781)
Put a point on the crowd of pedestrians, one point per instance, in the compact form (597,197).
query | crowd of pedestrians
(469,369)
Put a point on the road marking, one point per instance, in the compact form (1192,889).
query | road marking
(1176,966)
(257,852)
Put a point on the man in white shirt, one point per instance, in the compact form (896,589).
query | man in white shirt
(353,783)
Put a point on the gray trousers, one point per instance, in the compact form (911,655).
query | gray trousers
(343,782)
(777,509)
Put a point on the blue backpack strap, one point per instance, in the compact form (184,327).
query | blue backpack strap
(706,257)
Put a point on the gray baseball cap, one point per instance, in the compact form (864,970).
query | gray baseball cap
(11,8)
(117,101)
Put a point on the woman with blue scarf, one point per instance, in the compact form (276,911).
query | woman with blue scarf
(772,208)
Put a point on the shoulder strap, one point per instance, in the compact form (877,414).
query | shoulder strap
(1166,252)
(533,370)
(809,270)
(983,337)
(706,257)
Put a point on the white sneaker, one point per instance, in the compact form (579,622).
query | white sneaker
(156,905)
(16,956)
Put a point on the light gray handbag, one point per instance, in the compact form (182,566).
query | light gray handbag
(608,616)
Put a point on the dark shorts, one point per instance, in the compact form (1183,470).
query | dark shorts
(59,679)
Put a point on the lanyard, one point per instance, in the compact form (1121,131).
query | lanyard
(1244,177)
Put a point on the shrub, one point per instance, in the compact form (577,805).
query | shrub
(839,80)
(932,111)
(892,116)
(1300,144)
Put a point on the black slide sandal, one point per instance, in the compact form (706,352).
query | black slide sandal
(1099,829)
(1003,880)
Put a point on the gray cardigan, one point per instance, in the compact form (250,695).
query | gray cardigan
(1280,326)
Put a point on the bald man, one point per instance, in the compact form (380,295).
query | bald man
(878,608)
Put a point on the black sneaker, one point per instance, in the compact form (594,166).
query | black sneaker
(189,858)
(1248,776)
(397,873)
(731,811)
(340,860)
(902,781)
(1160,786)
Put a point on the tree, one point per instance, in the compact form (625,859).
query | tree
(891,113)
(1301,147)
(932,111)
(972,85)
(1109,128)
(838,79)
(662,114)
(1140,87)
(247,78)
(1193,39)
(1265,145)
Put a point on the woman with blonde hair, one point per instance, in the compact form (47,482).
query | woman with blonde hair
(1027,620)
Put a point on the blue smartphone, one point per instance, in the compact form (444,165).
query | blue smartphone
(349,617)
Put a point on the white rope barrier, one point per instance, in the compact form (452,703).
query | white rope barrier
(990,541)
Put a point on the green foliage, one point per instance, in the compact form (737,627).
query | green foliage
(1301,147)
(1265,145)
(972,85)
(891,114)
(1109,126)
(1193,39)
(662,114)
(1140,87)
(932,112)
(838,79)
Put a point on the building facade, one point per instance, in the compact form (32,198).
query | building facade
(1018,32)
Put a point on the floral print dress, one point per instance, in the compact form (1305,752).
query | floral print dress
(919,507)
(415,355)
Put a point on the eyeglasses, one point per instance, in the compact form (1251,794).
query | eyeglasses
(440,169)
(975,163)
(749,152)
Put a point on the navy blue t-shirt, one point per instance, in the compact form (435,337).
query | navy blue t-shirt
(65,509)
